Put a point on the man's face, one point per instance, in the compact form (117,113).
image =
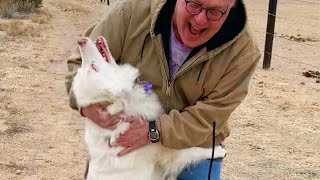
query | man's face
(195,30)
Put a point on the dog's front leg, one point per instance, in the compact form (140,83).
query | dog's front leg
(121,128)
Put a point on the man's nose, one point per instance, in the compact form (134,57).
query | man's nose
(201,18)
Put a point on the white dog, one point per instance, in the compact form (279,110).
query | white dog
(101,79)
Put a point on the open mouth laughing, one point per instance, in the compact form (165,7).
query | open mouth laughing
(195,30)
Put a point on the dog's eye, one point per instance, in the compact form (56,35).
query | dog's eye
(94,67)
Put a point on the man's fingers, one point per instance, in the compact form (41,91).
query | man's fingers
(106,125)
(112,123)
(102,110)
(122,144)
(131,119)
(106,120)
(135,119)
(121,138)
(126,151)
(138,124)
(102,104)
(116,117)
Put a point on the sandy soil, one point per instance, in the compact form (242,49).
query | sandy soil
(275,132)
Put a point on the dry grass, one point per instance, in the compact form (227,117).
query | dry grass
(40,19)
(13,167)
(8,8)
(21,28)
(17,26)
(15,128)
(2,26)
(46,12)
(73,7)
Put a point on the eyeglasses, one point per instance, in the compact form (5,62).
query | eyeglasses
(212,14)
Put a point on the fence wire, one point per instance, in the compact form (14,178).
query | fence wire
(288,39)
(291,60)
(301,23)
(305,1)
(297,42)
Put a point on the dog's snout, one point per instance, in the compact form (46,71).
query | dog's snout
(82,42)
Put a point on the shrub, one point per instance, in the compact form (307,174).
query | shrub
(9,7)
(36,3)
(29,5)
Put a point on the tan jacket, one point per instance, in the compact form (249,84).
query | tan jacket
(207,88)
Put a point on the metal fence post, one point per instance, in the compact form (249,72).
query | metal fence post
(269,34)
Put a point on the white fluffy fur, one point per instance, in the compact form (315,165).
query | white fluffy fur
(108,81)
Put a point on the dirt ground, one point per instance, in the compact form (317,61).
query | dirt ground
(275,132)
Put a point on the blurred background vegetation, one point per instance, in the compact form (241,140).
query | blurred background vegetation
(8,8)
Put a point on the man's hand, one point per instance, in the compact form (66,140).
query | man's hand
(135,137)
(99,115)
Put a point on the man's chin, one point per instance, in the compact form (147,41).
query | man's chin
(191,42)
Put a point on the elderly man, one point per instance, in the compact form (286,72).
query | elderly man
(199,56)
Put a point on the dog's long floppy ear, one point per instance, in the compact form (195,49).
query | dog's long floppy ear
(103,47)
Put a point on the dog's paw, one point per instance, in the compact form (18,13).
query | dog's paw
(171,172)
(121,128)
(113,140)
(168,177)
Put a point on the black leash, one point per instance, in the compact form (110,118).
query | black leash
(213,144)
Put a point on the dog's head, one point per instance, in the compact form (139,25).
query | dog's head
(94,54)
(99,72)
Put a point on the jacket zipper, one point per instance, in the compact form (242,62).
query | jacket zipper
(182,71)
(179,73)
(168,93)
(169,83)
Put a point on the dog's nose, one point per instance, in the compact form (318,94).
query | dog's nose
(82,42)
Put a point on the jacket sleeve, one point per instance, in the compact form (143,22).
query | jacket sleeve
(193,126)
(112,27)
